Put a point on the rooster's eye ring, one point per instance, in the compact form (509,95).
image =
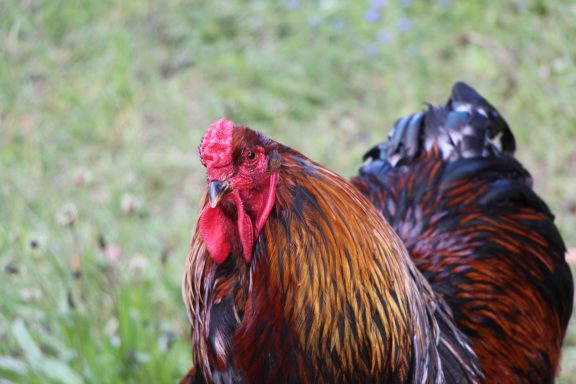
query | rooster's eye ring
(251,155)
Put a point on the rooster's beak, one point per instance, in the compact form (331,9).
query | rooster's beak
(217,190)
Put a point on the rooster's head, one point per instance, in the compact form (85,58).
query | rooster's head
(242,167)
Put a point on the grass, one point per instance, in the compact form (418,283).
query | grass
(103,104)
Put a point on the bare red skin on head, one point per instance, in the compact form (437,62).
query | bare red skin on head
(216,149)
(251,186)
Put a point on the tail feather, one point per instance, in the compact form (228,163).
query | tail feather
(448,182)
(467,126)
(483,118)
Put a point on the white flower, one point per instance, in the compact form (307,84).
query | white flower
(67,215)
(130,203)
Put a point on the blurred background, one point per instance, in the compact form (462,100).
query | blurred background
(103,104)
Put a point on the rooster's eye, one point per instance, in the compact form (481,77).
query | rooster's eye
(251,155)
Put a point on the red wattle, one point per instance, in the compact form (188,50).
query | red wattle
(213,231)
(245,229)
(268,204)
(217,229)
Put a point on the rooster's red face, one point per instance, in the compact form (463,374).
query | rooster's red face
(242,167)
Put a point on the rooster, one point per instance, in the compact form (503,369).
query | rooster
(447,181)
(293,276)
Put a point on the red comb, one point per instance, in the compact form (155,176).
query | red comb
(216,147)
